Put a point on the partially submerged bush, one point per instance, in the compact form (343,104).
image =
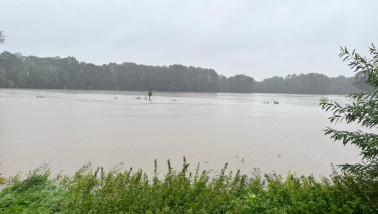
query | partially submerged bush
(323,100)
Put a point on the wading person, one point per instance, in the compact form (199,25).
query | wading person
(149,94)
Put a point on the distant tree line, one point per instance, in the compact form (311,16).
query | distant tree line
(312,83)
(18,71)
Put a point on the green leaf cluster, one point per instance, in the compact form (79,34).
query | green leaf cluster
(362,110)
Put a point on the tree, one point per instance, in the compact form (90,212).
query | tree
(2,37)
(363,110)
(69,73)
(360,82)
(2,80)
(241,83)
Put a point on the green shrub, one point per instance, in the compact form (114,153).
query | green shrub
(117,191)
(35,194)
(362,110)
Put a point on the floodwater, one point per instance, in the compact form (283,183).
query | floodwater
(70,128)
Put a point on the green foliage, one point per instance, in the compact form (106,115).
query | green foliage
(2,37)
(364,111)
(360,82)
(311,83)
(17,71)
(35,194)
(117,191)
(323,100)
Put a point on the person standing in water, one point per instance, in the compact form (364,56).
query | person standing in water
(149,94)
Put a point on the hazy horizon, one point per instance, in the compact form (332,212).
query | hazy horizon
(351,74)
(259,39)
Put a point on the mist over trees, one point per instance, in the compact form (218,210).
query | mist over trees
(2,37)
(311,83)
(18,71)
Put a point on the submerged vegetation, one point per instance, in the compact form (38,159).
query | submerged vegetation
(323,100)
(126,191)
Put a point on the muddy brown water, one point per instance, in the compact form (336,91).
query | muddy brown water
(70,128)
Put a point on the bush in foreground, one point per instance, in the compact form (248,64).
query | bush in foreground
(363,110)
(125,191)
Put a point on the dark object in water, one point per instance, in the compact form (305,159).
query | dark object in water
(149,94)
(275,102)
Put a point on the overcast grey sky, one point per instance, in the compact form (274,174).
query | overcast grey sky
(257,38)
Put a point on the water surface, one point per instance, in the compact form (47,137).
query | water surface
(70,128)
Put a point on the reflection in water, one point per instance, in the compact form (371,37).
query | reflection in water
(70,128)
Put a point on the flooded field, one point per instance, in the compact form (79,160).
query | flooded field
(70,128)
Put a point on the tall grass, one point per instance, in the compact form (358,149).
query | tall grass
(128,191)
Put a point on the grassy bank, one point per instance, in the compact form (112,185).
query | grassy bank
(127,191)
